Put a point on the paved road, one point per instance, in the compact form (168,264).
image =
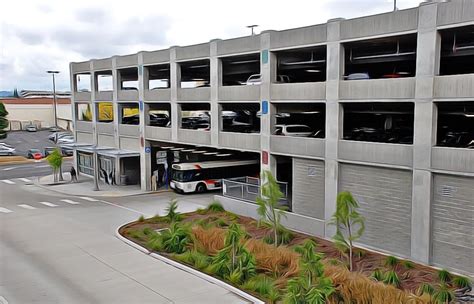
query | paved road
(61,249)
(22,141)
(40,168)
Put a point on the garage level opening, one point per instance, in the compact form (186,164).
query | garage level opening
(386,122)
(284,175)
(128,78)
(455,125)
(457,51)
(241,70)
(300,120)
(129,113)
(104,81)
(240,117)
(195,74)
(158,76)
(105,112)
(83,82)
(83,112)
(159,115)
(301,65)
(393,57)
(196,116)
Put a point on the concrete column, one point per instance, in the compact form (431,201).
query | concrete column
(116,85)
(216,79)
(427,66)
(145,158)
(334,72)
(267,70)
(73,112)
(175,80)
(92,104)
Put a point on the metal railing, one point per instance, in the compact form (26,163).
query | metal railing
(248,189)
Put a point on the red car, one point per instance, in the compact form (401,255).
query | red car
(35,154)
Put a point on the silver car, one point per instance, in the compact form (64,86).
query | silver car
(4,150)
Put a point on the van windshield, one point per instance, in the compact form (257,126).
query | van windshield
(183,175)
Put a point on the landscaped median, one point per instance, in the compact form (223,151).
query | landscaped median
(297,268)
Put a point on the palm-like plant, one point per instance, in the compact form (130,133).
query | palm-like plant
(55,160)
(349,223)
(268,207)
(171,211)
(176,238)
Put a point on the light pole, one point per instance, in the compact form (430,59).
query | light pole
(54,97)
(394,5)
(251,27)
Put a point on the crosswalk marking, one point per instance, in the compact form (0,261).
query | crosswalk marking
(48,204)
(7,181)
(26,206)
(90,199)
(25,180)
(5,210)
(70,202)
(9,168)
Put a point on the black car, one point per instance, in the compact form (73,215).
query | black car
(67,151)
(159,120)
(131,120)
(48,150)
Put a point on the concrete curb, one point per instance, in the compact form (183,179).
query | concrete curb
(190,270)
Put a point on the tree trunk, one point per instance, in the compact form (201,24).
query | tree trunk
(350,245)
(55,175)
(61,173)
(275,228)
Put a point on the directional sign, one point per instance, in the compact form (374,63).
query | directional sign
(147,149)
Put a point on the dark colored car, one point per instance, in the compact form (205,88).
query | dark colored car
(131,120)
(34,154)
(457,139)
(159,120)
(48,150)
(67,151)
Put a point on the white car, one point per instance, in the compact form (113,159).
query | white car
(31,128)
(6,150)
(5,145)
(65,140)
(293,130)
(255,79)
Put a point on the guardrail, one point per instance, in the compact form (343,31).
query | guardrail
(248,189)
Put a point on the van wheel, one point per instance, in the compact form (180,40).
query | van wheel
(201,188)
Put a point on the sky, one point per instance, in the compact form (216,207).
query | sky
(41,35)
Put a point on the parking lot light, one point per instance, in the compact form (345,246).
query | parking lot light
(54,97)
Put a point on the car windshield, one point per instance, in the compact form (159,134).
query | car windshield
(298,129)
(34,150)
(183,175)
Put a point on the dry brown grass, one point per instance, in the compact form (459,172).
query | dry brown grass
(356,288)
(209,240)
(281,261)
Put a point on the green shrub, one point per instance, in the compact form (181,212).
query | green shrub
(194,258)
(378,275)
(215,206)
(232,216)
(176,238)
(426,288)
(157,219)
(171,212)
(391,278)
(443,294)
(137,234)
(264,286)
(141,219)
(444,276)
(155,243)
(462,282)
(391,261)
(148,231)
(408,264)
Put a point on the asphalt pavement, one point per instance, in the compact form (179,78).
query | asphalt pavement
(58,248)
(22,141)
(37,168)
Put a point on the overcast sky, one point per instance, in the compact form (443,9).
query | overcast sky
(36,35)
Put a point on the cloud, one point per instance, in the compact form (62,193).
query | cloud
(39,36)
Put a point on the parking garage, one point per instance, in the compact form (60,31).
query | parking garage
(159,115)
(195,116)
(240,70)
(300,119)
(129,113)
(455,126)
(391,57)
(385,122)
(240,117)
(128,78)
(158,76)
(195,74)
(83,82)
(457,51)
(301,65)
(104,81)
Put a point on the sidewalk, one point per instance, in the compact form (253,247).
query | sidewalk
(85,187)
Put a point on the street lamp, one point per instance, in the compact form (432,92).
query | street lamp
(54,98)
(251,27)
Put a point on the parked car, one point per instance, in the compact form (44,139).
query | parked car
(131,120)
(255,79)
(34,154)
(293,130)
(357,76)
(5,145)
(457,139)
(31,128)
(65,140)
(52,137)
(54,129)
(4,150)
(67,151)
(196,122)
(159,120)
(48,150)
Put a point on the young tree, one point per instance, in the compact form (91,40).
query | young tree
(3,121)
(349,223)
(268,207)
(55,160)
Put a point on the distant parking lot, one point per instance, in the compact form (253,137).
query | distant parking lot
(22,141)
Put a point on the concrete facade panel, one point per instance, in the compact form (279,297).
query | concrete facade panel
(192,51)
(131,144)
(298,37)
(105,128)
(389,154)
(194,137)
(195,94)
(160,56)
(455,11)
(242,141)
(129,130)
(158,95)
(400,21)
(84,138)
(127,95)
(385,197)
(308,187)
(456,86)
(77,67)
(104,96)
(105,140)
(238,45)
(82,96)
(377,88)
(453,222)
(84,126)
(452,159)
(298,91)
(102,64)
(157,133)
(127,61)
(239,93)
(298,146)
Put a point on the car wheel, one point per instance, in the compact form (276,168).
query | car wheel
(201,188)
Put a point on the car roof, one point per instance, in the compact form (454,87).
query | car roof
(34,150)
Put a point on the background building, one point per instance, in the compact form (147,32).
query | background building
(386,102)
